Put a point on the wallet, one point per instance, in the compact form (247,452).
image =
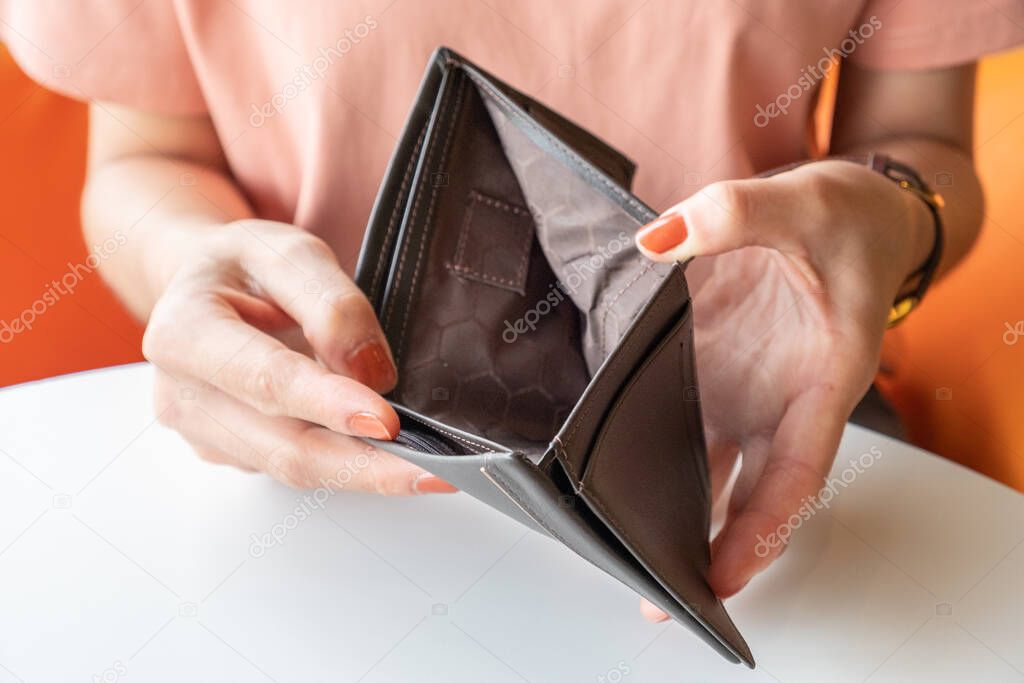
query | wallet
(545,367)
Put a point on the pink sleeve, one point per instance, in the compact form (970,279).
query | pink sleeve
(129,52)
(930,34)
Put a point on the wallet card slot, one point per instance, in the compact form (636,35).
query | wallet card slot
(436,438)
(647,480)
(667,305)
(463,470)
(494,243)
(424,441)
(378,251)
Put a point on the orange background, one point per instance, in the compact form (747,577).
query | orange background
(42,138)
(957,384)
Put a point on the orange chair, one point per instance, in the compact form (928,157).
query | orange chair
(953,372)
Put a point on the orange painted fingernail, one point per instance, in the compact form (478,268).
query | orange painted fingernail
(371,365)
(663,233)
(428,483)
(652,613)
(369,425)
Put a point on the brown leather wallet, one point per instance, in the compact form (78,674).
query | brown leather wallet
(544,366)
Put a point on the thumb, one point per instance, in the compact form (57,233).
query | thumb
(721,217)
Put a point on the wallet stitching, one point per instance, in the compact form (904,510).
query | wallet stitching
(509,490)
(474,447)
(466,270)
(412,218)
(570,154)
(478,196)
(389,232)
(646,268)
(456,114)
(460,248)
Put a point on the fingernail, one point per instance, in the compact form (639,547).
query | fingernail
(368,424)
(652,613)
(371,364)
(663,233)
(428,483)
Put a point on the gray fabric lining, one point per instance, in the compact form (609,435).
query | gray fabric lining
(586,237)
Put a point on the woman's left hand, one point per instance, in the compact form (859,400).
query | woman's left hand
(803,269)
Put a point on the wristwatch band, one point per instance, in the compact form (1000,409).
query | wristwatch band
(918,282)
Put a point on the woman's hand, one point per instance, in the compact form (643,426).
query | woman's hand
(268,357)
(231,385)
(788,322)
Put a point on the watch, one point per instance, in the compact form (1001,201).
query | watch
(917,283)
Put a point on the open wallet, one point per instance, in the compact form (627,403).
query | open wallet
(545,367)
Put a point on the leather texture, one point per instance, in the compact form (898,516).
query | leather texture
(544,366)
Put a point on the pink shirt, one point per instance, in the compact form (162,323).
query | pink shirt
(309,97)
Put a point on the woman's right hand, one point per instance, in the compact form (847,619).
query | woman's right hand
(244,391)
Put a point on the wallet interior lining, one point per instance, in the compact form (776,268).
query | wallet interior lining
(586,236)
(516,261)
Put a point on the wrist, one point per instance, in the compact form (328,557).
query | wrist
(176,244)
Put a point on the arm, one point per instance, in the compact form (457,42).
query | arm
(139,167)
(220,290)
(924,119)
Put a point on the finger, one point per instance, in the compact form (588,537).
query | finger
(650,612)
(801,455)
(724,216)
(227,431)
(196,334)
(301,273)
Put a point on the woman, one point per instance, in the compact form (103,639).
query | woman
(237,146)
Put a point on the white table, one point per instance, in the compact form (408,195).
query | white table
(124,556)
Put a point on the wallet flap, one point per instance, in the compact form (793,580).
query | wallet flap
(646,478)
